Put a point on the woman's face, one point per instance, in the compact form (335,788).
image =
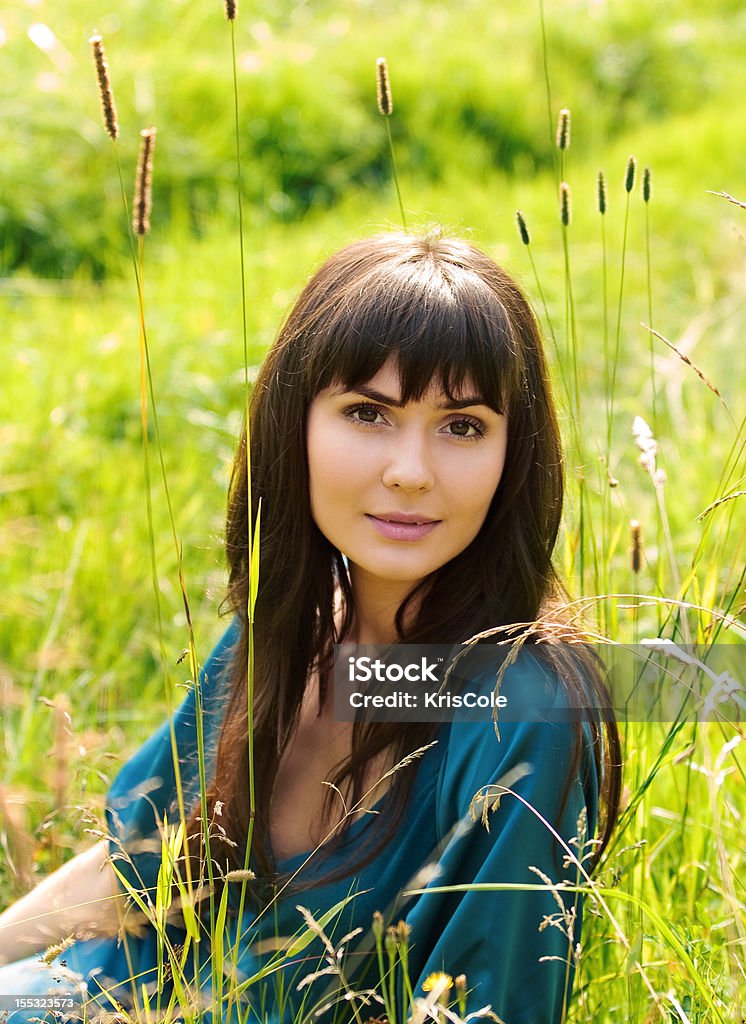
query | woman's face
(373,464)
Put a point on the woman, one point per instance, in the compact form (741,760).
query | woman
(405,449)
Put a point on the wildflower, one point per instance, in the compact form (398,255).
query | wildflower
(383,88)
(106,95)
(438,978)
(440,984)
(377,926)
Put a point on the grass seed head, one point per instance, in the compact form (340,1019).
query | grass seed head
(383,88)
(636,549)
(601,193)
(563,129)
(565,204)
(646,185)
(645,441)
(522,228)
(144,183)
(231,9)
(52,952)
(106,95)
(403,931)
(629,177)
(239,875)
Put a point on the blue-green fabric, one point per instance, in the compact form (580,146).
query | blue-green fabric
(507,943)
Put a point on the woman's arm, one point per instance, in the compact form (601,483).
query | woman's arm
(81,896)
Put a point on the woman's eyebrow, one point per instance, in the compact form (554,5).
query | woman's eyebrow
(378,396)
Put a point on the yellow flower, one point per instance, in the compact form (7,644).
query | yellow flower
(436,980)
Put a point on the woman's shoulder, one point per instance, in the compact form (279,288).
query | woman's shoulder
(536,733)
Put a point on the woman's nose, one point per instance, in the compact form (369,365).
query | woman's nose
(409,462)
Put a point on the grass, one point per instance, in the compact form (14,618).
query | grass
(77,615)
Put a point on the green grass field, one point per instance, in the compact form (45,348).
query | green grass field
(80,679)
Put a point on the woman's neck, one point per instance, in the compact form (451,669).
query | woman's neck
(376,604)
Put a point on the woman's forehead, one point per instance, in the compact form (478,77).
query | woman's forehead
(388,380)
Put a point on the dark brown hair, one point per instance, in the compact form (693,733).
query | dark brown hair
(446,312)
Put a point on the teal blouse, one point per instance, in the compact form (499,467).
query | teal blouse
(511,944)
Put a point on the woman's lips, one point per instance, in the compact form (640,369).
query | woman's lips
(402,531)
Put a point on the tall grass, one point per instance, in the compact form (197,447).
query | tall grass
(664,932)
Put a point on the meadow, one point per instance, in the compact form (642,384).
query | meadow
(81,682)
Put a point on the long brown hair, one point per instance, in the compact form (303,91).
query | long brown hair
(446,312)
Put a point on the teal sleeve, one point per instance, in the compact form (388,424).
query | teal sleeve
(513,946)
(145,788)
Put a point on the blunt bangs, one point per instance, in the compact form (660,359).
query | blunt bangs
(438,319)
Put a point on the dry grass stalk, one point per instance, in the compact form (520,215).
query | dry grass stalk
(729,197)
(62,734)
(383,88)
(685,359)
(720,501)
(563,129)
(565,204)
(144,183)
(105,92)
(522,228)
(16,842)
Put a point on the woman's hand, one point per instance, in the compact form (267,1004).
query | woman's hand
(81,897)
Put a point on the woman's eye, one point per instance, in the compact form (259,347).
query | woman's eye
(366,415)
(363,413)
(462,428)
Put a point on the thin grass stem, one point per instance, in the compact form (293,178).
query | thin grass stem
(547,85)
(395,174)
(249,497)
(618,341)
(146,387)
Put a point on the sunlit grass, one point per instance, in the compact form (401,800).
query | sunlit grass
(77,601)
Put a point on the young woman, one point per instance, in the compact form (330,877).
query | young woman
(405,449)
